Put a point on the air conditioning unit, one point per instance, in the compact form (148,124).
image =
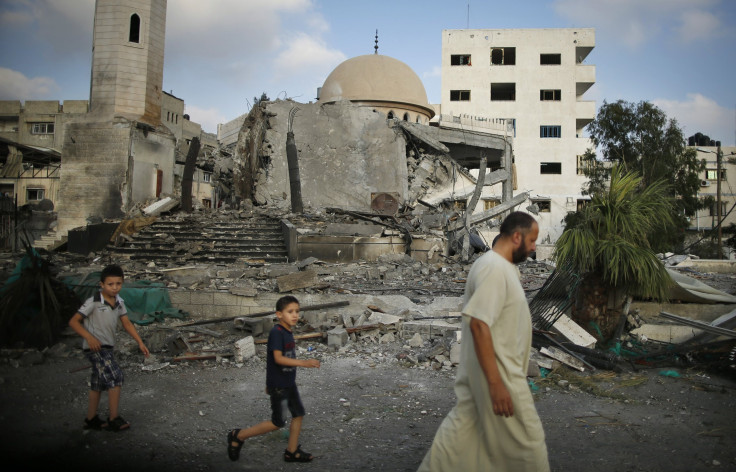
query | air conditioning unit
(704,183)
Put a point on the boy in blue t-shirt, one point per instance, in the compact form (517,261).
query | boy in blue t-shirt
(281,367)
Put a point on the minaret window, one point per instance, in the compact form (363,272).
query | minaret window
(135,29)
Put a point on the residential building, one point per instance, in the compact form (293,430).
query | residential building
(536,78)
(707,218)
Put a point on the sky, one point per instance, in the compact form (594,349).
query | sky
(221,54)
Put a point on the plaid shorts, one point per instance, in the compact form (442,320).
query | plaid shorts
(106,373)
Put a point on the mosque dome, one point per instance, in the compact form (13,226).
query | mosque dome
(380,81)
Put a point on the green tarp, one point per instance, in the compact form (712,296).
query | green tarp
(146,301)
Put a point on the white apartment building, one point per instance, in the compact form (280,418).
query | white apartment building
(707,218)
(537,78)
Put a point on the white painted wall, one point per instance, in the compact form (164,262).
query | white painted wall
(572,77)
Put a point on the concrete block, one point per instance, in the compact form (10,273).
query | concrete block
(572,332)
(416,340)
(674,334)
(225,299)
(245,349)
(455,353)
(337,337)
(202,298)
(297,280)
(383,318)
(180,297)
(252,325)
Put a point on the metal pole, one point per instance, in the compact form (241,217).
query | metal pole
(718,197)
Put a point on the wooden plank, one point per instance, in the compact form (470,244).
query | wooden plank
(563,357)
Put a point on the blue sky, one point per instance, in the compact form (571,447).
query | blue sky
(678,54)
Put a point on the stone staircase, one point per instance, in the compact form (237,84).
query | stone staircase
(193,240)
(51,240)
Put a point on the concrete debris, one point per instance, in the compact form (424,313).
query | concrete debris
(244,349)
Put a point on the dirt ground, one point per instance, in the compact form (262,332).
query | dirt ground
(366,410)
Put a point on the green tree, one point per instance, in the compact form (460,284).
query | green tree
(607,243)
(639,137)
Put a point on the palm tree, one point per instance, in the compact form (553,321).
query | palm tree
(607,243)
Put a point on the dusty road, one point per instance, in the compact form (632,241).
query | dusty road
(365,411)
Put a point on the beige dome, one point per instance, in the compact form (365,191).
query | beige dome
(374,78)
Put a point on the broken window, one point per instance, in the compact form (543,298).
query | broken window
(459,95)
(582,203)
(42,128)
(550,168)
(34,194)
(503,91)
(135,29)
(550,95)
(550,131)
(406,117)
(207,203)
(503,56)
(460,60)
(710,174)
(550,59)
(391,115)
(489,203)
(545,206)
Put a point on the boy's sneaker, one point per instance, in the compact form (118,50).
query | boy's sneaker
(117,424)
(95,423)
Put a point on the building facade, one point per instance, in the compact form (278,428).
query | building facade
(536,78)
(707,218)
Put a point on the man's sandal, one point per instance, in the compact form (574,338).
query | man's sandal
(117,424)
(233,452)
(298,455)
(95,423)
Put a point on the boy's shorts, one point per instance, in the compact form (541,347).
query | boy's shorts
(281,398)
(106,373)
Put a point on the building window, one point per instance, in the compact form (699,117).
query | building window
(489,203)
(34,194)
(550,168)
(168,116)
(207,203)
(550,95)
(390,115)
(207,177)
(460,60)
(710,174)
(545,206)
(503,56)
(582,165)
(135,29)
(714,209)
(547,131)
(459,95)
(418,120)
(42,128)
(176,119)
(406,117)
(582,203)
(503,91)
(550,59)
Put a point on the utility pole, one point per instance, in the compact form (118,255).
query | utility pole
(718,196)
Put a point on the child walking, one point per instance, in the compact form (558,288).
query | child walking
(96,322)
(281,367)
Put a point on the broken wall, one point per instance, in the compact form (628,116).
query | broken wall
(347,154)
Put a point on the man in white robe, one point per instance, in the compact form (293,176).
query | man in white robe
(494,426)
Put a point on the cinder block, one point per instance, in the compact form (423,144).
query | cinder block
(337,337)
(202,298)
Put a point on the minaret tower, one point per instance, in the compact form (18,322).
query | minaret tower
(128,59)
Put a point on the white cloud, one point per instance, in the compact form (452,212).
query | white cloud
(698,25)
(16,86)
(227,28)
(633,22)
(306,55)
(701,114)
(207,117)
